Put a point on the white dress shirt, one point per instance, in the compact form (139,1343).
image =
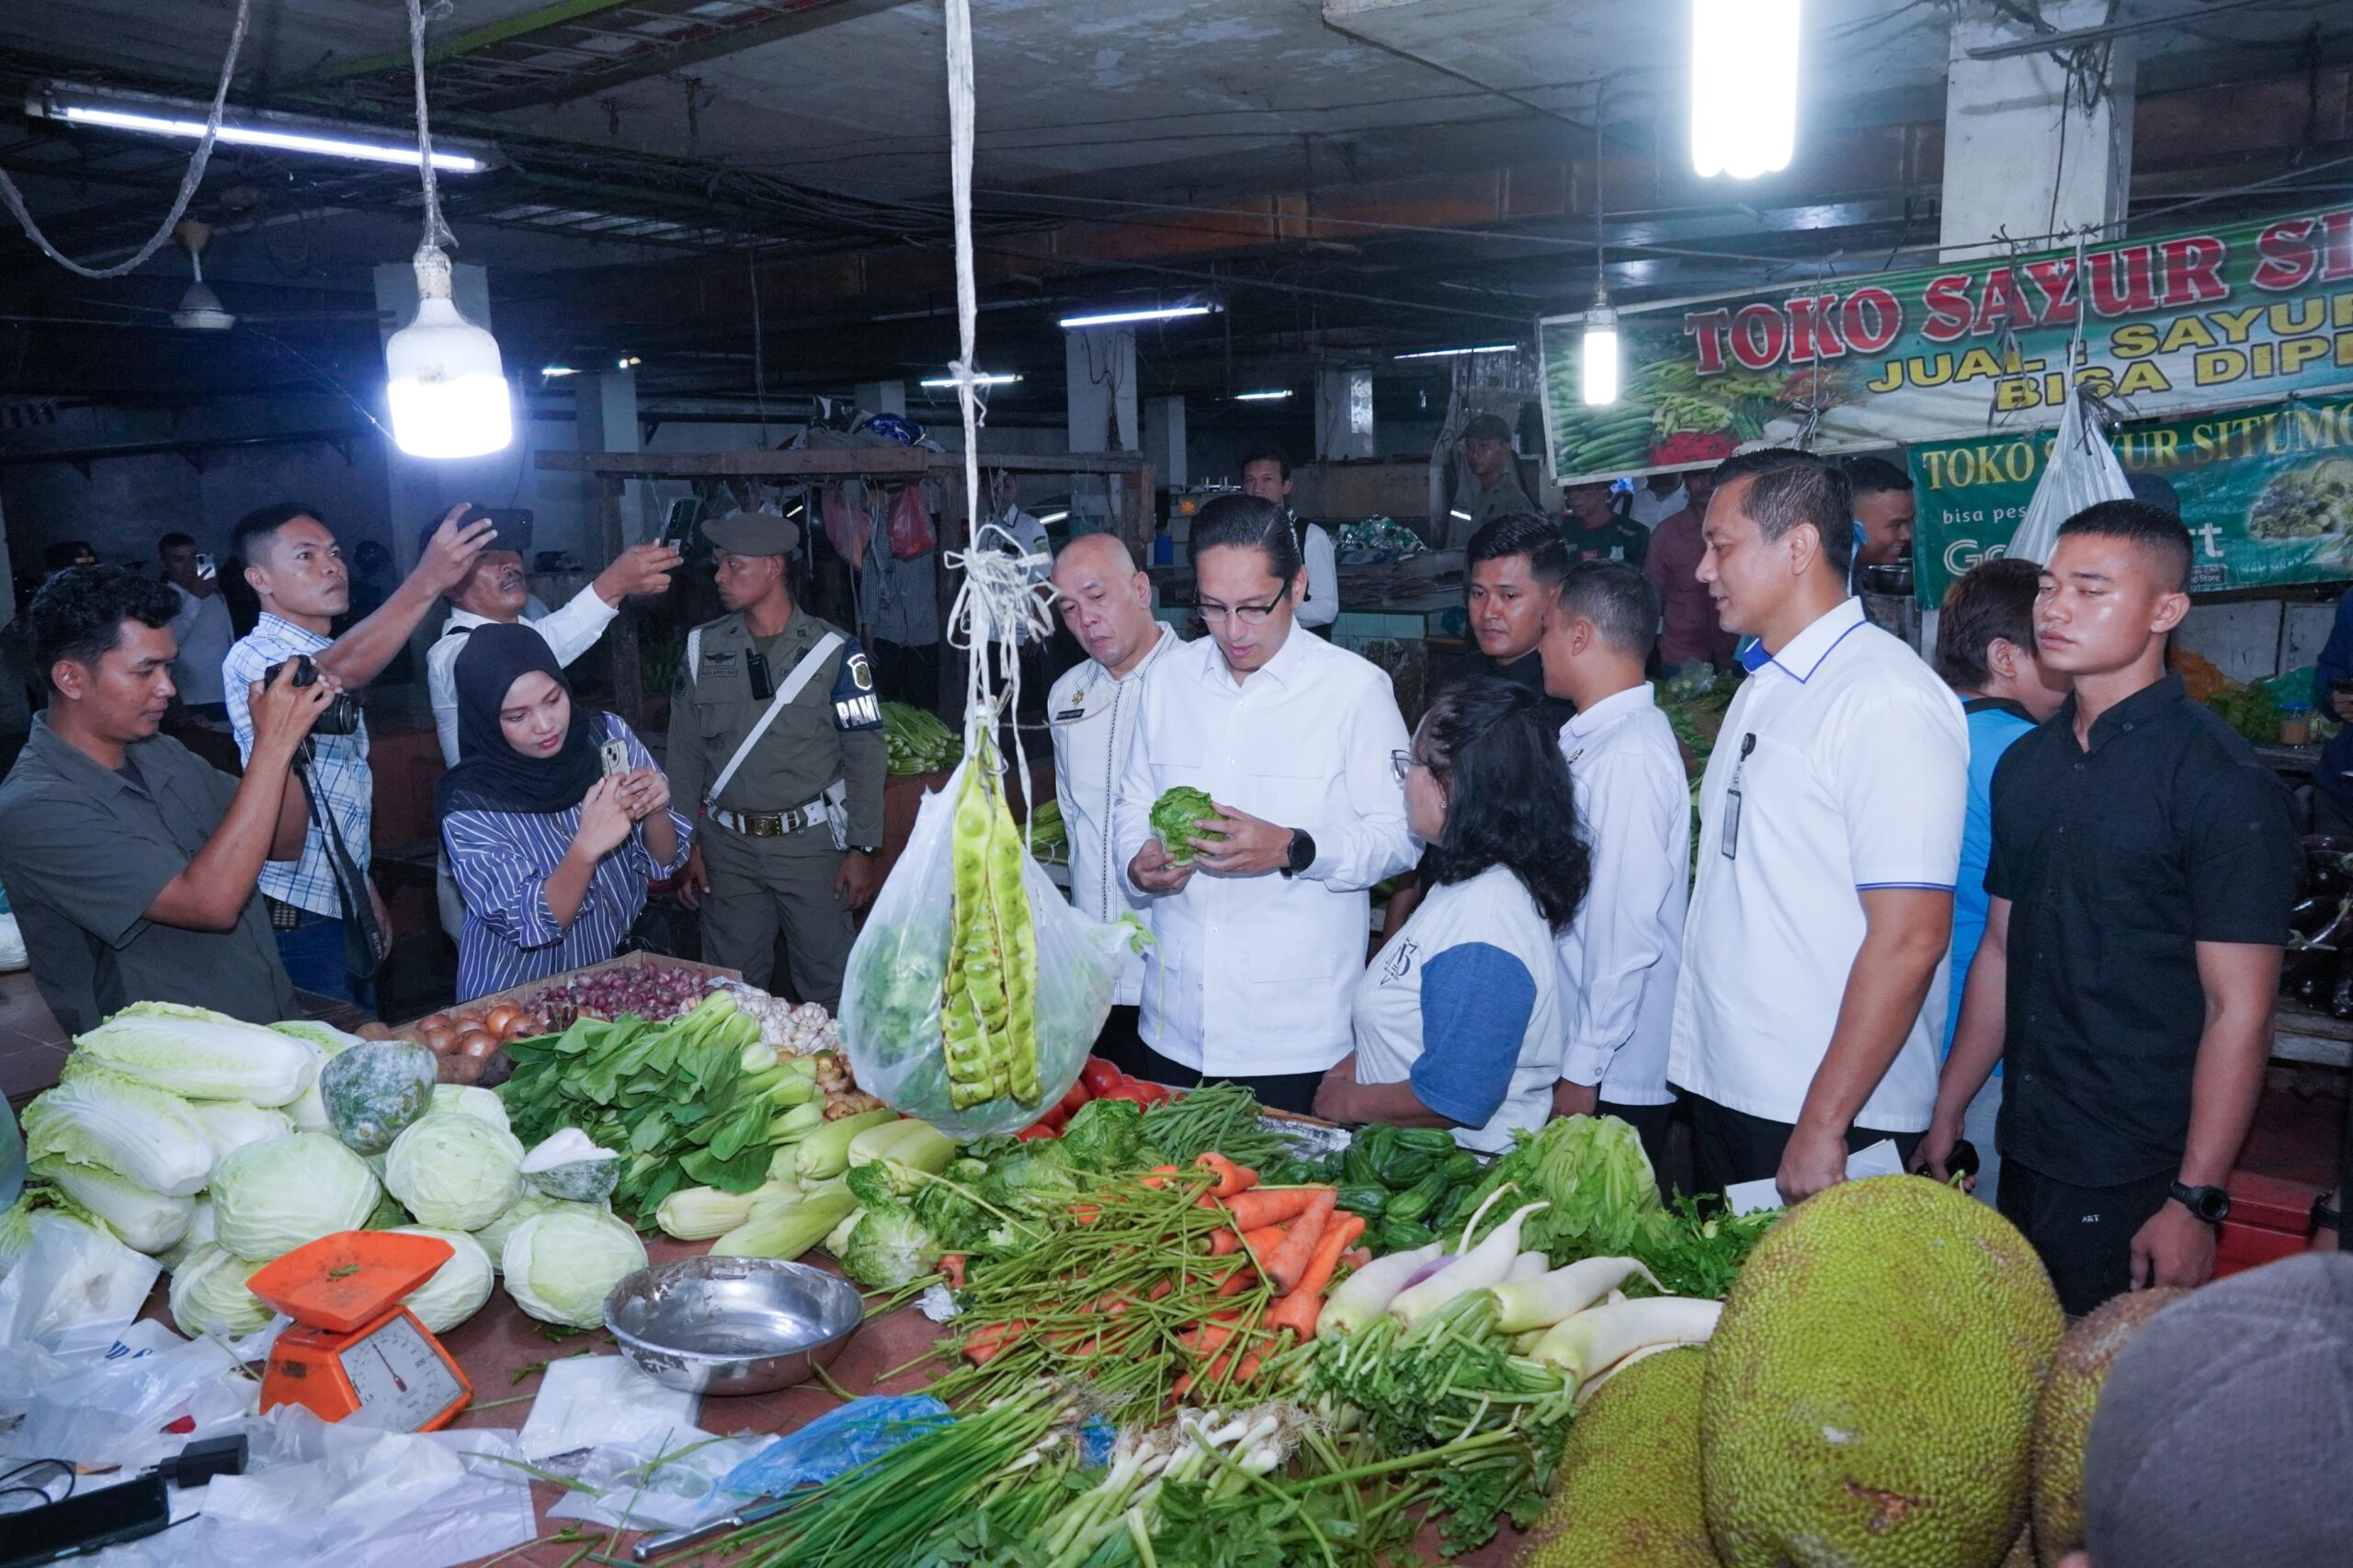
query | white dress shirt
(1651,508)
(570,632)
(202,629)
(1321,605)
(1093,715)
(1856,779)
(1619,960)
(1252,976)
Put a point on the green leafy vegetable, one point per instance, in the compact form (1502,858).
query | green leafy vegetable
(1593,1172)
(1176,820)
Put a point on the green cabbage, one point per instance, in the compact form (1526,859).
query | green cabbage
(889,1246)
(200,1232)
(97,1118)
(568,1164)
(16,1220)
(454,1171)
(272,1197)
(561,1266)
(147,1221)
(308,1111)
(209,1294)
(471,1100)
(457,1288)
(232,1124)
(331,1040)
(1177,818)
(198,1054)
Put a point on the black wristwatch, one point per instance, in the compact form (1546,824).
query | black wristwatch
(2324,1217)
(2211,1204)
(1301,855)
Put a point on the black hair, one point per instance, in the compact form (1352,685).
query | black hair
(1247,522)
(78,614)
(1509,802)
(1521,533)
(1873,476)
(1489,427)
(1266,455)
(1792,487)
(1618,599)
(1993,599)
(173,540)
(255,530)
(2150,528)
(66,552)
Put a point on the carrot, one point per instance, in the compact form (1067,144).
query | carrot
(1356,1257)
(1159,1177)
(1230,1178)
(1160,1287)
(1259,1243)
(1270,1205)
(1085,1213)
(1287,1262)
(1224,1242)
(992,1339)
(1297,1313)
(952,1265)
(1247,1368)
(1231,1285)
(1298,1310)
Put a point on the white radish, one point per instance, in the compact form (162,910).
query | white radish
(1365,1294)
(1522,1304)
(1527,1265)
(1481,1269)
(1599,1337)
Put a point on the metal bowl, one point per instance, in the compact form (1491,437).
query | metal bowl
(731,1325)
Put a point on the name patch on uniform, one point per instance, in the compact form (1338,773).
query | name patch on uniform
(855,705)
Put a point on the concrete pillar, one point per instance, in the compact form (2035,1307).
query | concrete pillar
(1099,370)
(2009,142)
(882,397)
(1164,439)
(1344,411)
(421,489)
(605,412)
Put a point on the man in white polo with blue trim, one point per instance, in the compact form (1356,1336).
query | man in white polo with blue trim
(1812,991)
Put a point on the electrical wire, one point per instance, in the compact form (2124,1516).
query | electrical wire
(15,199)
(436,231)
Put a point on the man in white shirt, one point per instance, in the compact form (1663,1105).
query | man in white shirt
(201,628)
(1260,941)
(1266,473)
(1661,497)
(1813,992)
(497,591)
(1619,960)
(1106,604)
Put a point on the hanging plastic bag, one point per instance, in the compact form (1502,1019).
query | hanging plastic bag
(848,527)
(911,531)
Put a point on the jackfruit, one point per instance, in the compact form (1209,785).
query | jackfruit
(1630,1477)
(1870,1389)
(2062,1417)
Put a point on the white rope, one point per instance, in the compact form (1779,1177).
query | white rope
(189,180)
(432,263)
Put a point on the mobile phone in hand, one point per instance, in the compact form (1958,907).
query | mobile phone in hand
(616,754)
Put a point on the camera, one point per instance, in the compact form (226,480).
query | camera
(342,715)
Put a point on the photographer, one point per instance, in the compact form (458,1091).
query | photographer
(331,925)
(130,861)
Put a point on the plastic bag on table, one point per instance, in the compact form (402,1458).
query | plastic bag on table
(839,1440)
(676,1489)
(2083,471)
(891,993)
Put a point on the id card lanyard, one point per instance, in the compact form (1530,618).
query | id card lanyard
(1731,842)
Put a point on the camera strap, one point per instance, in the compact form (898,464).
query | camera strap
(363,945)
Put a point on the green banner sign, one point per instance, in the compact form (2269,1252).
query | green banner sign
(2195,321)
(2268,493)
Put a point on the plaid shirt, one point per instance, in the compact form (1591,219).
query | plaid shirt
(338,768)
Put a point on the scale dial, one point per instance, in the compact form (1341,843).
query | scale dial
(400,1376)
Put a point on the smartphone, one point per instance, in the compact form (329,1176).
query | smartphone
(678,524)
(512,523)
(85,1522)
(204,567)
(616,757)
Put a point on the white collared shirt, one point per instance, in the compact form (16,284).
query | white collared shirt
(570,632)
(1321,605)
(1253,975)
(1093,716)
(1855,779)
(1619,960)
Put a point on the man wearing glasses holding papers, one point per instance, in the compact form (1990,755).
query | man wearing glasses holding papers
(1258,940)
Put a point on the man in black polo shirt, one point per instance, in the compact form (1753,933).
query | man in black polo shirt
(2143,867)
(130,860)
(1516,564)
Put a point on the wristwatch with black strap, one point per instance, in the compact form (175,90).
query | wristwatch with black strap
(1300,855)
(2211,1204)
(2324,1218)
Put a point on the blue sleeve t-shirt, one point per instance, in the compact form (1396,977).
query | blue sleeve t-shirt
(1994,724)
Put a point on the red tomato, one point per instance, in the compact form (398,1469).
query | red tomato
(1130,1092)
(1079,1094)
(1153,1093)
(1031,1134)
(1053,1117)
(1099,1076)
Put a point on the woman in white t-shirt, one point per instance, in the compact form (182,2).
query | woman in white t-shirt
(1458,1021)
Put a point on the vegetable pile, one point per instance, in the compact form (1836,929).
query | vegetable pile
(989,1017)
(915,740)
(464,1040)
(1403,1181)
(1099,1080)
(1049,838)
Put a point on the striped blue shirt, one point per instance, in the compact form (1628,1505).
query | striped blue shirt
(338,768)
(501,861)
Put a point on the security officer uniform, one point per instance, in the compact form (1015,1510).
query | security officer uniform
(768,840)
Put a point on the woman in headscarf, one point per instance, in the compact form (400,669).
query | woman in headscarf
(552,843)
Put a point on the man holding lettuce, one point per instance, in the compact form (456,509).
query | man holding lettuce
(131,862)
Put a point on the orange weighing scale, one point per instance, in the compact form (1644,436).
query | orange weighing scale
(355,1354)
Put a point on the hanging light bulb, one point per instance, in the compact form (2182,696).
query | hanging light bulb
(444,378)
(1744,86)
(1598,355)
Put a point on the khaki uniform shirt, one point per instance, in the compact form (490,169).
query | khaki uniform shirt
(84,850)
(808,746)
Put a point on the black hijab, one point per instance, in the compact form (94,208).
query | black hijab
(491,775)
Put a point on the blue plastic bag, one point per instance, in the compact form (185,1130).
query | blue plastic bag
(836,1441)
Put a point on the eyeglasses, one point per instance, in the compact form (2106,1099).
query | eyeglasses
(1401,763)
(1248,615)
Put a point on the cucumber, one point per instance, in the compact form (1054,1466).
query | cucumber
(1461,1166)
(1404,1235)
(1368,1199)
(1429,1140)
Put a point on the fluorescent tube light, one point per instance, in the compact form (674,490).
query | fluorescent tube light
(986,378)
(1597,357)
(1112,318)
(144,115)
(1453,353)
(1275,395)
